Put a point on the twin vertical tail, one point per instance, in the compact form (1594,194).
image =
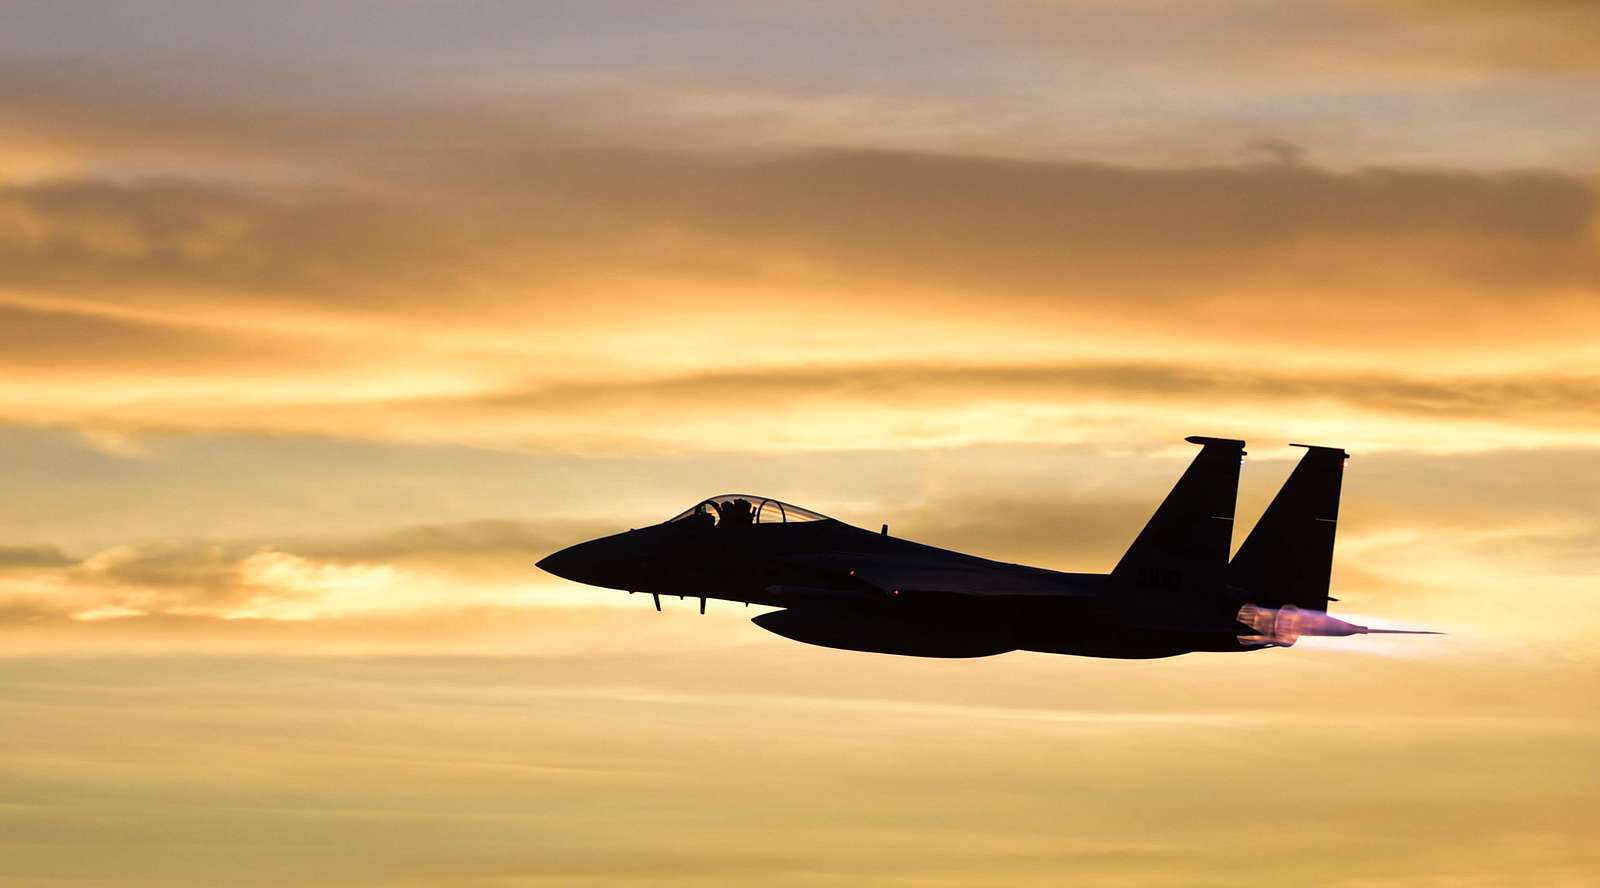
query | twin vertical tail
(1184,549)
(1288,557)
(1276,586)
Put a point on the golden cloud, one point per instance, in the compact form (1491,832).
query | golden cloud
(507,230)
(476,307)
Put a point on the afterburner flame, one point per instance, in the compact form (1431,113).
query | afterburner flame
(1283,626)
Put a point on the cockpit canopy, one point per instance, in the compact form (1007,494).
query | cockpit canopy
(742,508)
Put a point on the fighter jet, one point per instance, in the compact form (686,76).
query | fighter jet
(1174,591)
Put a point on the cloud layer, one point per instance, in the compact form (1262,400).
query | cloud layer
(224,307)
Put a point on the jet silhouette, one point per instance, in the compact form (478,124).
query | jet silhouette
(1174,591)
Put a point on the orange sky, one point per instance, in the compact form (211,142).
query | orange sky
(318,326)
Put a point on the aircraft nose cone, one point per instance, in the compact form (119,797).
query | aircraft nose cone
(565,564)
(614,562)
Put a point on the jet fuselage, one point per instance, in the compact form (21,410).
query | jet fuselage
(1174,591)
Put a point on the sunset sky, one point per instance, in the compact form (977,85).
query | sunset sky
(320,323)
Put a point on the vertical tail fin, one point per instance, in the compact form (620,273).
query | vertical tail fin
(1184,548)
(1288,557)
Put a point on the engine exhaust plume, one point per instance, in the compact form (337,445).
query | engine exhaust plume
(1283,626)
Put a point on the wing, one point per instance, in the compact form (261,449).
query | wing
(977,577)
